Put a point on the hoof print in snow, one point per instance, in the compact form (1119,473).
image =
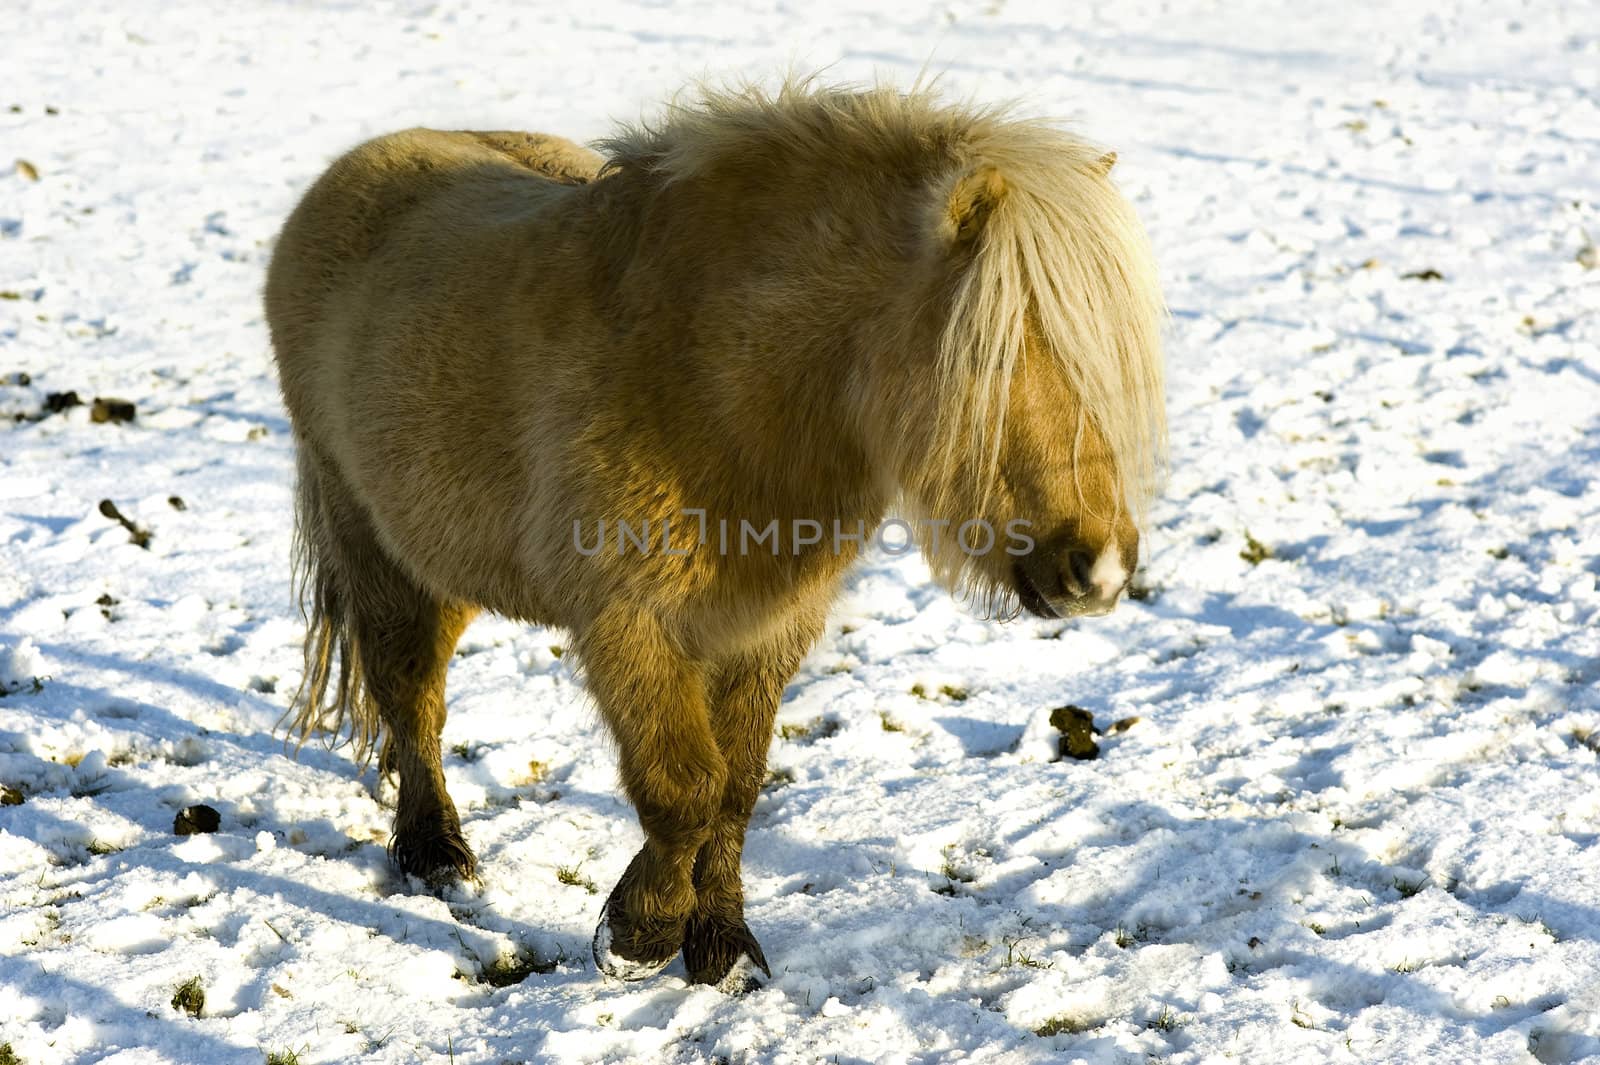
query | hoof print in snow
(1076,726)
(10,796)
(192,820)
(136,534)
(115,411)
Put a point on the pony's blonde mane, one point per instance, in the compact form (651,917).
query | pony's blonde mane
(1062,253)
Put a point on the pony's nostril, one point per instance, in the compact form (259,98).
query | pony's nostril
(1078,577)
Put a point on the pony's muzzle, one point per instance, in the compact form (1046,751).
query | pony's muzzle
(1096,579)
(1077,582)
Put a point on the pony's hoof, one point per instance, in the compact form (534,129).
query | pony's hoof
(625,949)
(723,952)
(609,959)
(440,862)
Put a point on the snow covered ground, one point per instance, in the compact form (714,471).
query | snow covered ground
(1358,819)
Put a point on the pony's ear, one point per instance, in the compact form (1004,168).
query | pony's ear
(1103,165)
(973,199)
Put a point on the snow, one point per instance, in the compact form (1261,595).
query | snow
(1357,820)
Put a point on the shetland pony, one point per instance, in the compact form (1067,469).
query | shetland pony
(777,310)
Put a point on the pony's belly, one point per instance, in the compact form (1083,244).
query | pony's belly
(470,571)
(450,528)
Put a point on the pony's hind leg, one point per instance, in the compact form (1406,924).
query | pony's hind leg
(718,946)
(405,670)
(653,698)
(404,638)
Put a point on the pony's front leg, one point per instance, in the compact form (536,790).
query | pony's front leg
(718,946)
(653,697)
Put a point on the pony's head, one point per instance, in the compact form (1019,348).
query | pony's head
(1044,410)
(977,291)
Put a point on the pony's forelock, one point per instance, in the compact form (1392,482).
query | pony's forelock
(1064,253)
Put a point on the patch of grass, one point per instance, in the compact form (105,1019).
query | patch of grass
(778,778)
(954,692)
(8,1056)
(1409,888)
(1015,955)
(1255,552)
(570,875)
(190,997)
(816,729)
(1124,938)
(1063,1025)
(1543,926)
(31,686)
(52,920)
(950,871)
(972,946)
(1165,1021)
(282,1057)
(889,724)
(538,772)
(1406,965)
(509,969)
(1298,1017)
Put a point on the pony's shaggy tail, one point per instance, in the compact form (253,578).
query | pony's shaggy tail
(333,698)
